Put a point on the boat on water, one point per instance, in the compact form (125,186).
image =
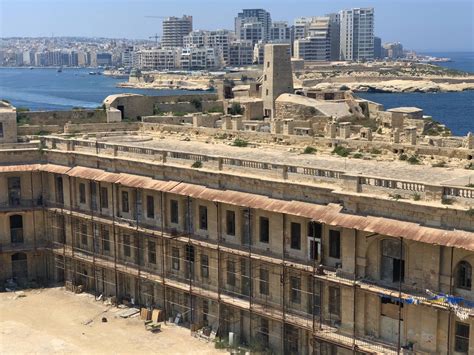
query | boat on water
(60,70)
(92,73)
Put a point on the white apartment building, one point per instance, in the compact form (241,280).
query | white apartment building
(357,34)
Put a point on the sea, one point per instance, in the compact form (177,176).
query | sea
(46,89)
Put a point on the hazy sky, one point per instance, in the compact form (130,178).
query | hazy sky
(419,24)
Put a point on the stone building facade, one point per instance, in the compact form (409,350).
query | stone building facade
(290,267)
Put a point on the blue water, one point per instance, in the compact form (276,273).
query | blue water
(460,60)
(46,89)
(454,109)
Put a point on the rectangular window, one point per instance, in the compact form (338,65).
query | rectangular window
(231,273)
(335,300)
(203,217)
(174,216)
(14,191)
(105,239)
(82,193)
(335,244)
(150,207)
(264,230)
(264,284)
(125,205)
(295,294)
(104,197)
(461,342)
(230,222)
(204,266)
(151,252)
(295,236)
(1,129)
(84,234)
(126,245)
(175,259)
(59,190)
(315,230)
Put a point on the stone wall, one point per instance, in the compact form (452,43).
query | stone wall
(189,107)
(62,117)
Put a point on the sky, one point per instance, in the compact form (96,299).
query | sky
(422,25)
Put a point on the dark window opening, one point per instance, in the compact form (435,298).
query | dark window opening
(335,244)
(14,191)
(230,222)
(174,216)
(461,341)
(335,301)
(59,189)
(151,252)
(295,294)
(204,266)
(393,263)
(203,217)
(150,207)
(125,202)
(104,197)
(82,193)
(464,275)
(16,229)
(264,230)
(295,236)
(127,250)
(264,282)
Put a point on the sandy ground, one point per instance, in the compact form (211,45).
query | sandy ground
(56,321)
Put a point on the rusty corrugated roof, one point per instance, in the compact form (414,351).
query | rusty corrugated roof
(330,214)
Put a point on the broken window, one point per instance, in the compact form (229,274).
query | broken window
(151,252)
(150,207)
(127,250)
(204,266)
(82,193)
(393,261)
(335,301)
(14,191)
(105,238)
(230,222)
(203,217)
(104,197)
(175,259)
(295,294)
(264,230)
(461,341)
(295,236)
(16,228)
(83,233)
(264,282)
(335,244)
(174,216)
(125,204)
(231,272)
(464,275)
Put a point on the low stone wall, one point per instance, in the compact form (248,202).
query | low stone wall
(29,130)
(102,127)
(189,107)
(62,117)
(173,120)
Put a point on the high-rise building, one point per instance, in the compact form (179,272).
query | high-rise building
(357,34)
(378,48)
(127,57)
(280,32)
(174,29)
(393,50)
(251,17)
(317,45)
(334,35)
(241,53)
(218,39)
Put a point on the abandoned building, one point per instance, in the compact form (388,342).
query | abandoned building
(291,253)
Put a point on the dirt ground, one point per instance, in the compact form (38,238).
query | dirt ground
(54,320)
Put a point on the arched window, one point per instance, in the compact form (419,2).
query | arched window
(464,275)
(16,228)
(393,261)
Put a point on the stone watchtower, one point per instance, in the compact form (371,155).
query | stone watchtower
(277,75)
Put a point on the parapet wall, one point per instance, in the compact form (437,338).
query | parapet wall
(62,117)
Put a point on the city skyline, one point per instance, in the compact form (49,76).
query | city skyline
(40,19)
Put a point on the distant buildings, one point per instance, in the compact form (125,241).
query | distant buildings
(174,29)
(393,50)
(378,52)
(316,46)
(357,34)
(253,25)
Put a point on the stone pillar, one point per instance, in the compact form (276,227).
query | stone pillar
(344,130)
(410,134)
(219,163)
(396,136)
(164,154)
(350,183)
(470,141)
(115,150)
(197,120)
(237,123)
(331,129)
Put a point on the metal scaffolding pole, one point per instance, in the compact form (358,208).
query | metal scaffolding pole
(115,242)
(162,242)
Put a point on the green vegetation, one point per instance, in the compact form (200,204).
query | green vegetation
(236,109)
(375,151)
(447,201)
(357,156)
(469,166)
(416,197)
(41,133)
(413,160)
(22,109)
(197,164)
(309,150)
(396,196)
(403,157)
(197,103)
(341,151)
(221,136)
(179,114)
(470,211)
(470,185)
(240,143)
(215,109)
(244,78)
